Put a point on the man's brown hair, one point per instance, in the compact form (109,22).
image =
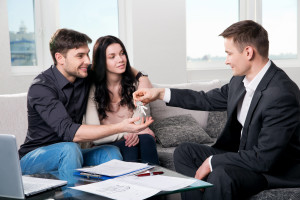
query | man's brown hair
(250,33)
(65,39)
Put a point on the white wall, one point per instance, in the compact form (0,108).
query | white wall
(156,38)
(154,34)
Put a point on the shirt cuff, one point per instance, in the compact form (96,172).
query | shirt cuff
(167,96)
(71,132)
(209,159)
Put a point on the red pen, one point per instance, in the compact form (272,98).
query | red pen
(150,174)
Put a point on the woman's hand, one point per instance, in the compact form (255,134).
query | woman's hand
(131,139)
(128,125)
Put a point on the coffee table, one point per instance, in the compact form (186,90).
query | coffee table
(68,193)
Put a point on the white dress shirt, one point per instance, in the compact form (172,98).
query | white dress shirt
(250,86)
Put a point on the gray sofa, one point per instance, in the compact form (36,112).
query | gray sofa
(172,126)
(175,125)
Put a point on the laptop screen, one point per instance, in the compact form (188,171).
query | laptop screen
(10,171)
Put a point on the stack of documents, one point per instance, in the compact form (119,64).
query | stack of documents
(122,184)
(112,169)
(134,187)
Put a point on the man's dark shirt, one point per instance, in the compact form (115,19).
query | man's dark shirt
(55,109)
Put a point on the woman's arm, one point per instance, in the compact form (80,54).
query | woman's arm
(144,81)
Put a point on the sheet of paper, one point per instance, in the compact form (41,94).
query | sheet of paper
(159,182)
(115,168)
(201,183)
(118,190)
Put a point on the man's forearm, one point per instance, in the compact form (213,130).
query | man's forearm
(94,132)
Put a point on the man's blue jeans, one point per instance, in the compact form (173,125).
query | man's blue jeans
(65,156)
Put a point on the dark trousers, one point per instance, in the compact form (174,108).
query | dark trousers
(229,181)
(145,151)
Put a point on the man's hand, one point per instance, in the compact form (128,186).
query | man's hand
(203,170)
(128,125)
(147,95)
(132,139)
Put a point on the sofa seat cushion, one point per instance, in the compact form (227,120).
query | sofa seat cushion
(278,194)
(165,155)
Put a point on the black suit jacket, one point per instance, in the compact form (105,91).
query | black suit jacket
(270,142)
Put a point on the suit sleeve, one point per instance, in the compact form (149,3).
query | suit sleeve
(280,119)
(213,100)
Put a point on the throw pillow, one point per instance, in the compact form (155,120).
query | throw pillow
(172,131)
(160,111)
(215,123)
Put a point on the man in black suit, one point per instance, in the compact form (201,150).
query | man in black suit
(259,147)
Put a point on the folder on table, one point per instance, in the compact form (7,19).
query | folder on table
(112,169)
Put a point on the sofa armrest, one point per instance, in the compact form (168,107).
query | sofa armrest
(13,116)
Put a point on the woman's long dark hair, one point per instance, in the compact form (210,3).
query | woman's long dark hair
(99,77)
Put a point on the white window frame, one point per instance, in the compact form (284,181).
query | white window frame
(29,70)
(252,10)
(46,22)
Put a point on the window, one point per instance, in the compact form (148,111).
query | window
(32,23)
(22,33)
(95,18)
(282,35)
(205,20)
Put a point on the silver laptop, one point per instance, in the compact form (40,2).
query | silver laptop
(12,183)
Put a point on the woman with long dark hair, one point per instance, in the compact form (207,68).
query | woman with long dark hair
(111,100)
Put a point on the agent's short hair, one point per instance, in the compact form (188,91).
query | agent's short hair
(246,33)
(66,39)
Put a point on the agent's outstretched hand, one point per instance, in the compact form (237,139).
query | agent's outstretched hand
(147,95)
(203,170)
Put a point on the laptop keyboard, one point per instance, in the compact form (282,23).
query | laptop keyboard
(34,185)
